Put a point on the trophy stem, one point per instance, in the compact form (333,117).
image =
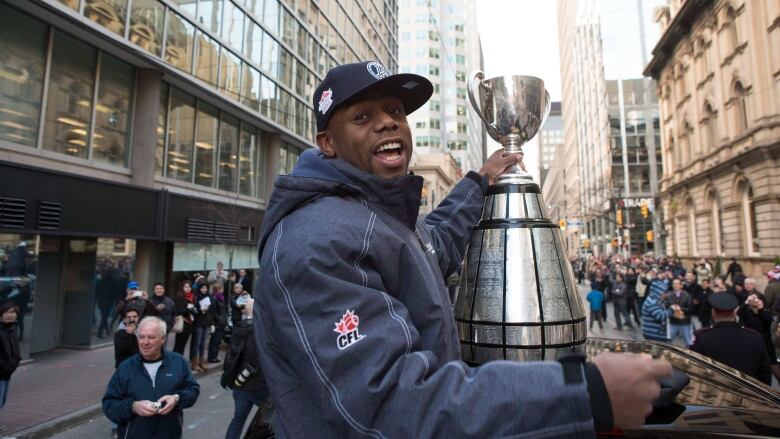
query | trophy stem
(514,174)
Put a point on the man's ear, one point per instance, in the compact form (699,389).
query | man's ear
(325,142)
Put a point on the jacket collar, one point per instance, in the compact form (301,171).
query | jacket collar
(731,324)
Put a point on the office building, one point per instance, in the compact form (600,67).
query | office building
(139,139)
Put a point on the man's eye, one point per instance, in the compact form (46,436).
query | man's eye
(395,111)
(360,117)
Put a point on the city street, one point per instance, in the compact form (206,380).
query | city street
(208,419)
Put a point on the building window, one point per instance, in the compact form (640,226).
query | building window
(210,14)
(230,76)
(71,91)
(206,144)
(419,125)
(207,58)
(24,43)
(692,239)
(740,107)
(181,127)
(228,153)
(250,87)
(146,25)
(112,115)
(178,42)
(711,127)
(732,33)
(716,223)
(233,25)
(162,128)
(108,13)
(249,163)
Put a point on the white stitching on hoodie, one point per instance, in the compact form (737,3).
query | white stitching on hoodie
(425,359)
(457,208)
(400,320)
(366,245)
(334,393)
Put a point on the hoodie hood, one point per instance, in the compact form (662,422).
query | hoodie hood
(315,175)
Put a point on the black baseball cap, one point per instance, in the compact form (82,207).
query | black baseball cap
(723,301)
(350,81)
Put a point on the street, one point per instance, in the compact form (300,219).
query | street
(208,419)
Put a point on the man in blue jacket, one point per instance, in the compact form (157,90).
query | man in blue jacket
(148,391)
(354,323)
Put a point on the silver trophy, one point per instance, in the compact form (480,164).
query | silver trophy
(517,298)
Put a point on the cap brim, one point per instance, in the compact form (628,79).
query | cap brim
(412,90)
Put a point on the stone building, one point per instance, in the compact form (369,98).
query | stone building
(440,171)
(717,67)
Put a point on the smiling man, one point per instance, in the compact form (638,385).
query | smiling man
(354,323)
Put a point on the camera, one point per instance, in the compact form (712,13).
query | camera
(156,406)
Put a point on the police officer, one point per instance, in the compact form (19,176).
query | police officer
(729,343)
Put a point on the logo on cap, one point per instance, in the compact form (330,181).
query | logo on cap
(377,70)
(326,101)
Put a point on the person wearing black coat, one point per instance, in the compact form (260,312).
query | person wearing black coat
(218,312)
(755,316)
(125,340)
(242,373)
(10,355)
(631,294)
(162,306)
(202,320)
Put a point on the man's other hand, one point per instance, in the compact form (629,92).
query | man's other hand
(170,403)
(633,383)
(499,162)
(144,408)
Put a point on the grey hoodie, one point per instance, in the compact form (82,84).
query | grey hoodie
(356,335)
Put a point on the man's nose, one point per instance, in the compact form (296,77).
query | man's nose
(385,121)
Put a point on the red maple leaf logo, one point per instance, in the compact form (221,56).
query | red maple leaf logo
(349,322)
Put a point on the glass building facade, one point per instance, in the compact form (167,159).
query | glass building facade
(141,137)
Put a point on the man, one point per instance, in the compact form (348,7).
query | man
(354,323)
(164,308)
(772,291)
(694,290)
(655,313)
(147,393)
(681,304)
(242,373)
(238,302)
(704,308)
(733,269)
(218,276)
(243,279)
(125,340)
(756,316)
(727,342)
(135,298)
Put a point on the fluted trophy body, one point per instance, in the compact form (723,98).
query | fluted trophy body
(517,298)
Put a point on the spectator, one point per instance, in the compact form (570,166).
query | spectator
(754,315)
(237,302)
(772,291)
(620,300)
(185,304)
(135,298)
(704,307)
(243,279)
(694,290)
(10,355)
(596,299)
(655,313)
(702,271)
(164,307)
(218,276)
(632,302)
(125,340)
(132,398)
(681,304)
(242,373)
(219,321)
(733,269)
(201,322)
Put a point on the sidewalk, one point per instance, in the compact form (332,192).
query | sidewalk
(61,386)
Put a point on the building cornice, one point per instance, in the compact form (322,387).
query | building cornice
(677,31)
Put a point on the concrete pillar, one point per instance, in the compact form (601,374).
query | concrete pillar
(147,109)
(149,263)
(272,145)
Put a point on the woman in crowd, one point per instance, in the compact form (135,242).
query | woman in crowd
(9,347)
(202,319)
(185,303)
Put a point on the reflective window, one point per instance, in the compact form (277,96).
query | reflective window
(210,14)
(248,162)
(108,13)
(205,144)
(22,62)
(146,25)
(181,126)
(162,121)
(256,6)
(289,28)
(73,4)
(228,153)
(233,25)
(230,78)
(254,42)
(69,103)
(188,6)
(285,109)
(271,16)
(18,274)
(115,91)
(268,101)
(270,61)
(300,117)
(286,68)
(178,42)
(206,59)
(250,87)
(300,78)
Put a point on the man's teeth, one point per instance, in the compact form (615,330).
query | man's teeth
(387,146)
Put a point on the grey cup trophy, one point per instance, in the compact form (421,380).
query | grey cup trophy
(517,298)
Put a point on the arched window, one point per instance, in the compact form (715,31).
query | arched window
(686,153)
(732,36)
(670,162)
(701,59)
(716,222)
(669,101)
(740,107)
(750,225)
(710,128)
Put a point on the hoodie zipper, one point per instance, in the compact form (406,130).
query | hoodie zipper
(427,246)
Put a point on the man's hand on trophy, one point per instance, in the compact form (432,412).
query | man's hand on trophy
(499,162)
(633,384)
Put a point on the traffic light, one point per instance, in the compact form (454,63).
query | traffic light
(645,211)
(615,242)
(586,243)
(562,224)
(649,236)
(619,217)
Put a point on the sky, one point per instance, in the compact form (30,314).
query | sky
(520,37)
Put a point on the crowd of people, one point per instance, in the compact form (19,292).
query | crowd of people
(674,303)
